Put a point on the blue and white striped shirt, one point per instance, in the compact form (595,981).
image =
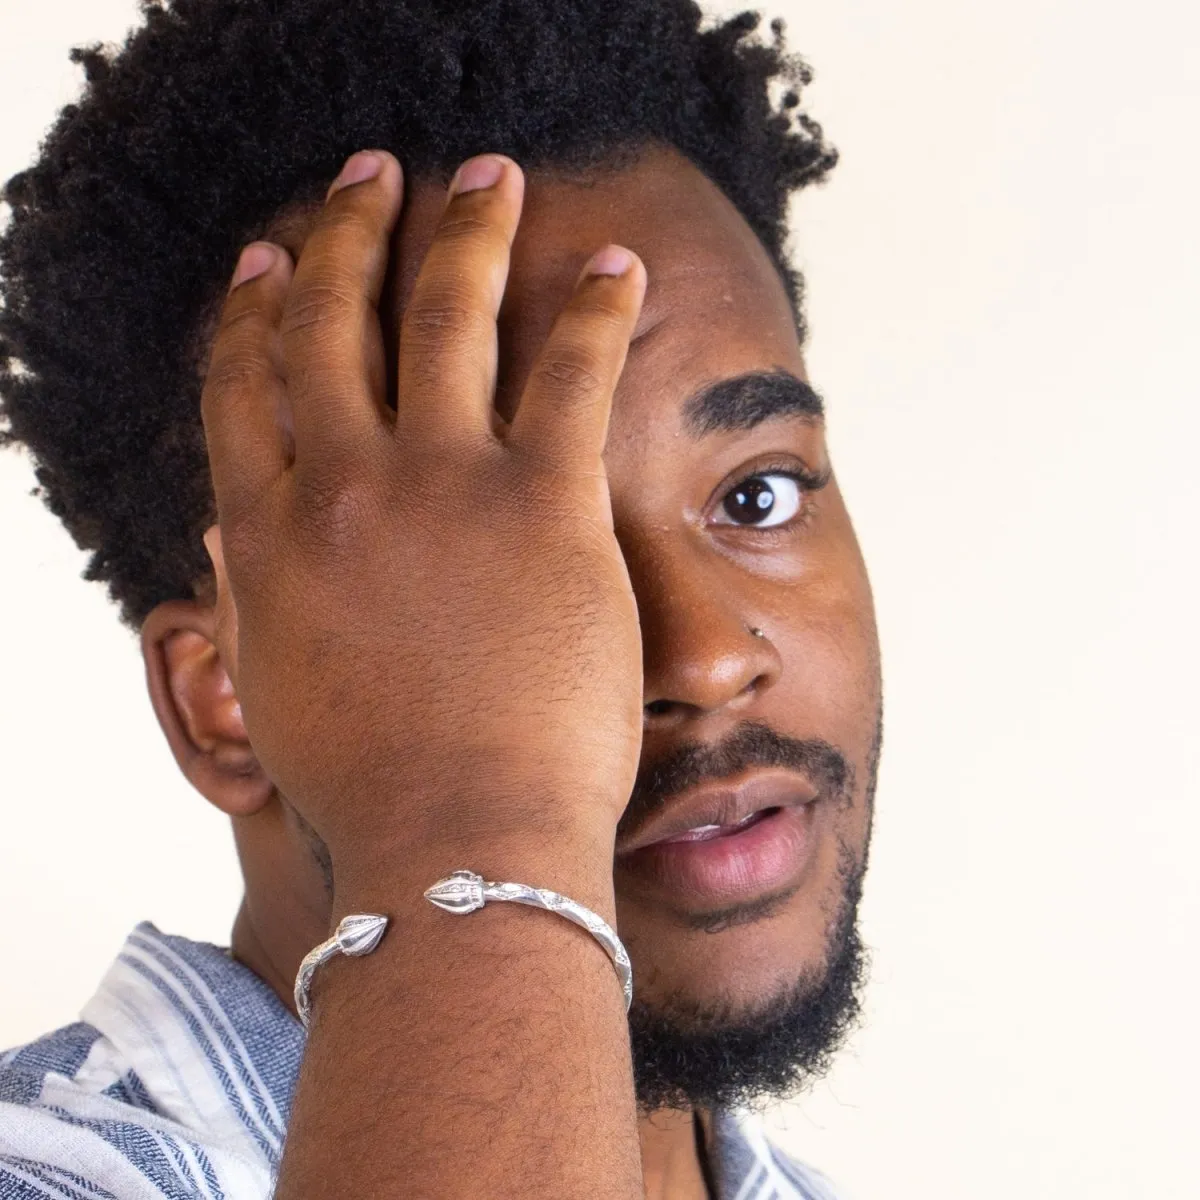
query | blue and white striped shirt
(177,1082)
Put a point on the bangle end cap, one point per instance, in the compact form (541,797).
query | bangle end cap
(360,933)
(460,892)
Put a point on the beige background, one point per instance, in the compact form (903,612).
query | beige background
(1004,283)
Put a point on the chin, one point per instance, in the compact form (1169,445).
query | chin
(735,1007)
(736,958)
(735,967)
(751,1027)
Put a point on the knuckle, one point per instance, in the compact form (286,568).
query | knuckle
(249,319)
(444,317)
(349,218)
(247,540)
(568,372)
(458,226)
(331,512)
(313,306)
(244,541)
(601,318)
(238,369)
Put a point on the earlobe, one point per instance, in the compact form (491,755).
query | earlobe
(198,710)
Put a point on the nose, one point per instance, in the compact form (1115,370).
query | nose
(701,660)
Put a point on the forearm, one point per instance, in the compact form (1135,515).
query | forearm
(485,1055)
(387,590)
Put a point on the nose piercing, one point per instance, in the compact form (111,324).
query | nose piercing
(755,631)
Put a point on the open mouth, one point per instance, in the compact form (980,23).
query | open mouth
(713,865)
(706,833)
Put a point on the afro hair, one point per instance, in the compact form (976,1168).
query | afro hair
(216,115)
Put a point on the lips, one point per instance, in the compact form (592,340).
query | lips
(724,805)
(726,844)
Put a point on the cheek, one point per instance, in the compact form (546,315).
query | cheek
(829,684)
(833,618)
(830,681)
(826,620)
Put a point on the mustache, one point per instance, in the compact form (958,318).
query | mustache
(749,745)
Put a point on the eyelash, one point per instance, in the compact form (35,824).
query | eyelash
(809,482)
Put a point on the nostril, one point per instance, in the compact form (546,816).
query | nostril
(755,685)
(658,708)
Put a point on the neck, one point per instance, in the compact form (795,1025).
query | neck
(671,1167)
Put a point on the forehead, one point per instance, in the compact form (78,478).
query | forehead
(715,304)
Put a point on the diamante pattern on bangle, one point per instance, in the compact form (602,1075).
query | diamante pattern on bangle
(463,892)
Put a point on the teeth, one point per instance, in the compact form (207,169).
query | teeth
(699,834)
(702,833)
(735,825)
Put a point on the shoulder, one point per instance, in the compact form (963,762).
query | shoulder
(73,1069)
(63,1052)
(175,1083)
(52,1092)
(78,1123)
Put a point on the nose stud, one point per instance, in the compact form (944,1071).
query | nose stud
(755,631)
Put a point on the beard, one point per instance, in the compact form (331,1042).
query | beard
(690,1056)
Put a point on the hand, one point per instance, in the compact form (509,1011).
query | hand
(425,613)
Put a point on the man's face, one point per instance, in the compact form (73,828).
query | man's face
(729,522)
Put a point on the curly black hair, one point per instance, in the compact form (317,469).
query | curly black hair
(216,115)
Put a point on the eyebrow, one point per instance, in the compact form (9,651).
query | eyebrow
(741,403)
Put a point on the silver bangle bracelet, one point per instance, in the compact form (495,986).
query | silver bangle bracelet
(461,892)
(356,935)
(464,892)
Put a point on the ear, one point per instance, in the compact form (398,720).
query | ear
(198,710)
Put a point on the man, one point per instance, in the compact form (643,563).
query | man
(479,519)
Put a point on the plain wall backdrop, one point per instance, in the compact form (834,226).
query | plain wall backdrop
(1003,277)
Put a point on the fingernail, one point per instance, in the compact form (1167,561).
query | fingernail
(358,169)
(477,173)
(612,260)
(255,260)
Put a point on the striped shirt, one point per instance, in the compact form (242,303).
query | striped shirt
(177,1081)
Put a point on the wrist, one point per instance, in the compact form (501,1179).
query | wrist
(427,929)
(532,952)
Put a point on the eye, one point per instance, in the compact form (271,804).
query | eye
(763,501)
